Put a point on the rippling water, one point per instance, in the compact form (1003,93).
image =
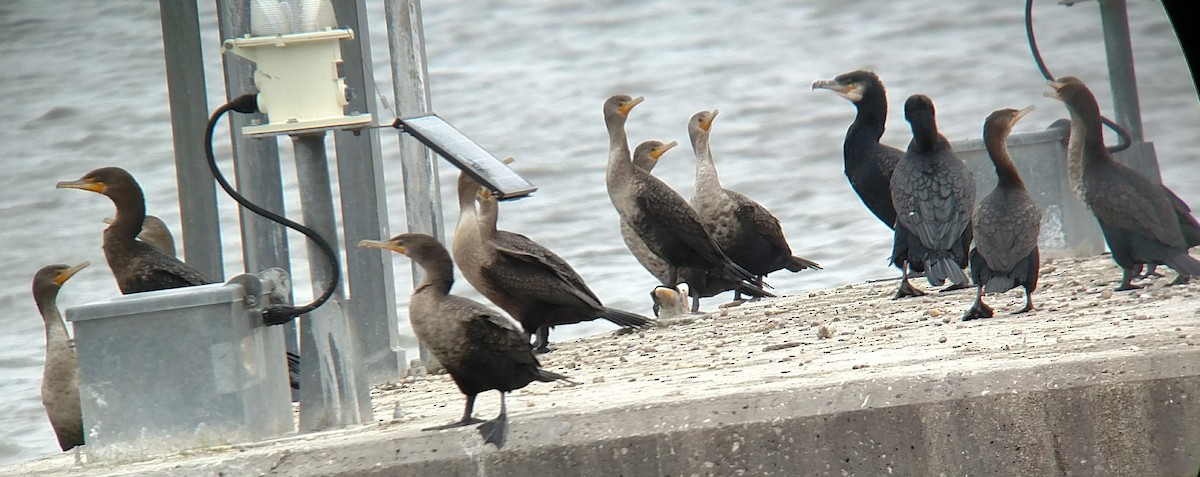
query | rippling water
(83,86)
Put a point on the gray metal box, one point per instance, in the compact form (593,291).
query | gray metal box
(169,370)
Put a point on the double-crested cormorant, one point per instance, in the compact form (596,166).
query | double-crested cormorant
(1143,222)
(60,376)
(934,196)
(659,215)
(645,157)
(745,230)
(138,266)
(868,163)
(481,349)
(533,284)
(142,265)
(154,232)
(1006,224)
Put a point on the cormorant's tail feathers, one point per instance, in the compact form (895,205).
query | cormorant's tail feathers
(625,318)
(740,272)
(1184,263)
(999,284)
(551,376)
(796,264)
(940,269)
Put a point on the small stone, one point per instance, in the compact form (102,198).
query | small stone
(860,366)
(397,412)
(1106,294)
(934,312)
(599,379)
(942,339)
(1016,332)
(825,332)
(1141,317)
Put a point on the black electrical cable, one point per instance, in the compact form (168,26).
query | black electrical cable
(278,314)
(1123,139)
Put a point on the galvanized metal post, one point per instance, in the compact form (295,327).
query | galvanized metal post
(364,210)
(333,388)
(256,163)
(410,86)
(201,227)
(1123,79)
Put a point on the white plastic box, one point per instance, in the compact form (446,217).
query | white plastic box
(165,371)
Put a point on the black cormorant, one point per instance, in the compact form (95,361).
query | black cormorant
(1006,224)
(934,196)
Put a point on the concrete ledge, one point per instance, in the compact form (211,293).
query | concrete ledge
(835,382)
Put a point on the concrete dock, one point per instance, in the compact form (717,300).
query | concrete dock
(837,382)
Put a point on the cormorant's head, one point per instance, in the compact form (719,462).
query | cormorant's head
(414,246)
(647,153)
(50,278)
(1075,94)
(620,105)
(109,181)
(1000,123)
(852,86)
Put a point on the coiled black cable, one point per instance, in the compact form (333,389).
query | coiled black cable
(278,314)
(1123,138)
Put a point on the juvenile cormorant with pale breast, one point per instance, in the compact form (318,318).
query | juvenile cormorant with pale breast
(745,230)
(60,375)
(481,349)
(1142,221)
(1006,224)
(659,215)
(934,195)
(868,164)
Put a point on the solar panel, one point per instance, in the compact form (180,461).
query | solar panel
(448,142)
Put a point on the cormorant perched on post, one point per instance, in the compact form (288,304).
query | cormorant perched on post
(1006,224)
(533,284)
(645,157)
(60,375)
(1143,222)
(138,266)
(660,216)
(934,196)
(481,349)
(868,163)
(745,230)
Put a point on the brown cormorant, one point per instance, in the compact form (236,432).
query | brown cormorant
(1006,224)
(1142,221)
(868,163)
(707,283)
(655,211)
(60,375)
(140,266)
(745,230)
(934,196)
(481,349)
(137,266)
(533,284)
(154,232)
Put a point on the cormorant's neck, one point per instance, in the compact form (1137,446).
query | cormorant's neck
(56,330)
(1006,171)
(489,214)
(872,116)
(131,212)
(620,163)
(438,274)
(706,170)
(925,135)
(1085,124)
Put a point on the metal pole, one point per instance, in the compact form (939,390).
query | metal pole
(256,163)
(333,388)
(410,86)
(201,226)
(364,211)
(1121,74)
